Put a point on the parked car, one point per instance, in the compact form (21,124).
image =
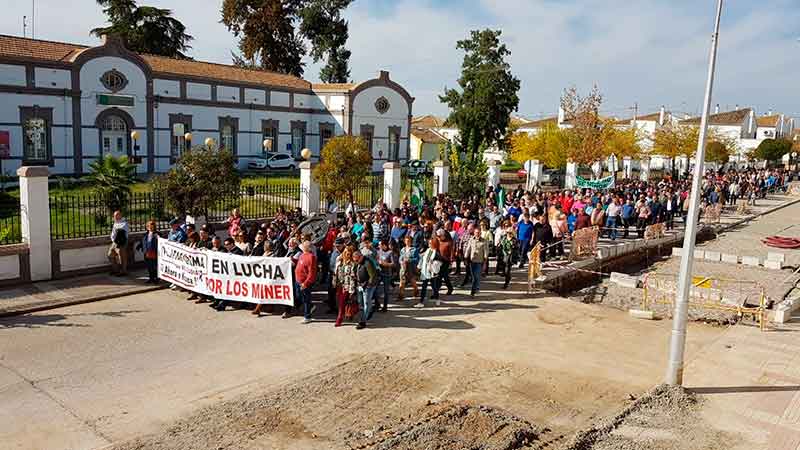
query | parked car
(549,176)
(276,161)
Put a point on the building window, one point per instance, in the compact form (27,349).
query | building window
(36,139)
(394,144)
(269,133)
(298,138)
(367,133)
(325,134)
(37,134)
(228,129)
(179,125)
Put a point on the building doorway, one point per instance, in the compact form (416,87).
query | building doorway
(114,136)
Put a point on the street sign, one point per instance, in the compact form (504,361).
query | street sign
(114,100)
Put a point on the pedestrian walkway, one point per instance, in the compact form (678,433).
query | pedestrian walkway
(71,291)
(750,381)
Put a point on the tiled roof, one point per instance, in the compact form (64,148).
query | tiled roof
(428,121)
(540,123)
(14,46)
(727,118)
(223,72)
(33,48)
(768,121)
(337,87)
(428,136)
(645,118)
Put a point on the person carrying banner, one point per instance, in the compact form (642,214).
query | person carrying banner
(305,275)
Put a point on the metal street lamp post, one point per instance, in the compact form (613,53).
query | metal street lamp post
(267,144)
(674,374)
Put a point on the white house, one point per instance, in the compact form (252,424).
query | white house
(64,105)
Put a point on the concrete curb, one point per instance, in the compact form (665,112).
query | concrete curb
(53,304)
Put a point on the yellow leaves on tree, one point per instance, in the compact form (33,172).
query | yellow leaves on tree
(621,142)
(344,163)
(681,140)
(548,146)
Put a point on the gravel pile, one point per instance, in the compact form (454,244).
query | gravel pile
(666,418)
(373,402)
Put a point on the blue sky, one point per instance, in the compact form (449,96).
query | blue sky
(650,52)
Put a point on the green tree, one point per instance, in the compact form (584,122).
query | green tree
(482,107)
(201,177)
(773,149)
(145,29)
(272,34)
(112,178)
(467,173)
(345,162)
(717,152)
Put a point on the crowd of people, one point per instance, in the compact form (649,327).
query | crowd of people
(369,258)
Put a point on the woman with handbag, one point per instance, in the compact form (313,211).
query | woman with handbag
(429,268)
(344,281)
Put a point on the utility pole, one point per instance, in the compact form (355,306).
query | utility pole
(33,19)
(680,315)
(635,111)
(24,26)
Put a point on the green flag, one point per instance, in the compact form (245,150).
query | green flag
(417,193)
(501,197)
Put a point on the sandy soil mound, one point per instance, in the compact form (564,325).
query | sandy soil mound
(372,402)
(667,418)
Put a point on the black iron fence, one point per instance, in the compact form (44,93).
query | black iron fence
(86,215)
(10,228)
(365,195)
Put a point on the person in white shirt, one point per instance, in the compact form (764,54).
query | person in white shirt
(612,218)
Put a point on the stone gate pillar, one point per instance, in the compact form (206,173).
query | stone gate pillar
(34,211)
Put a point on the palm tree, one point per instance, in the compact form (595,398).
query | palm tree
(145,29)
(112,178)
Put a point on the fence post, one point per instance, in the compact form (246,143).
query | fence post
(534,174)
(644,174)
(391,185)
(441,175)
(493,173)
(627,167)
(309,189)
(571,180)
(34,209)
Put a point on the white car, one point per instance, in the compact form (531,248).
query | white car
(277,161)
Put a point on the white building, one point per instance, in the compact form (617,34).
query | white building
(64,105)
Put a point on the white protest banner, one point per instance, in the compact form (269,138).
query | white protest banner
(250,279)
(181,265)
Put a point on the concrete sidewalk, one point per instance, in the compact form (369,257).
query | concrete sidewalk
(45,295)
(750,381)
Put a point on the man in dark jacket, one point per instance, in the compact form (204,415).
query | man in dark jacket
(543,234)
(367,280)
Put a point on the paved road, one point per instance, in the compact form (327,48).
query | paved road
(85,376)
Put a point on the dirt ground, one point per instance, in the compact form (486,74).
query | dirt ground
(373,402)
(667,418)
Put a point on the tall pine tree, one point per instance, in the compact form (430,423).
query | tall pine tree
(273,34)
(145,29)
(481,109)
